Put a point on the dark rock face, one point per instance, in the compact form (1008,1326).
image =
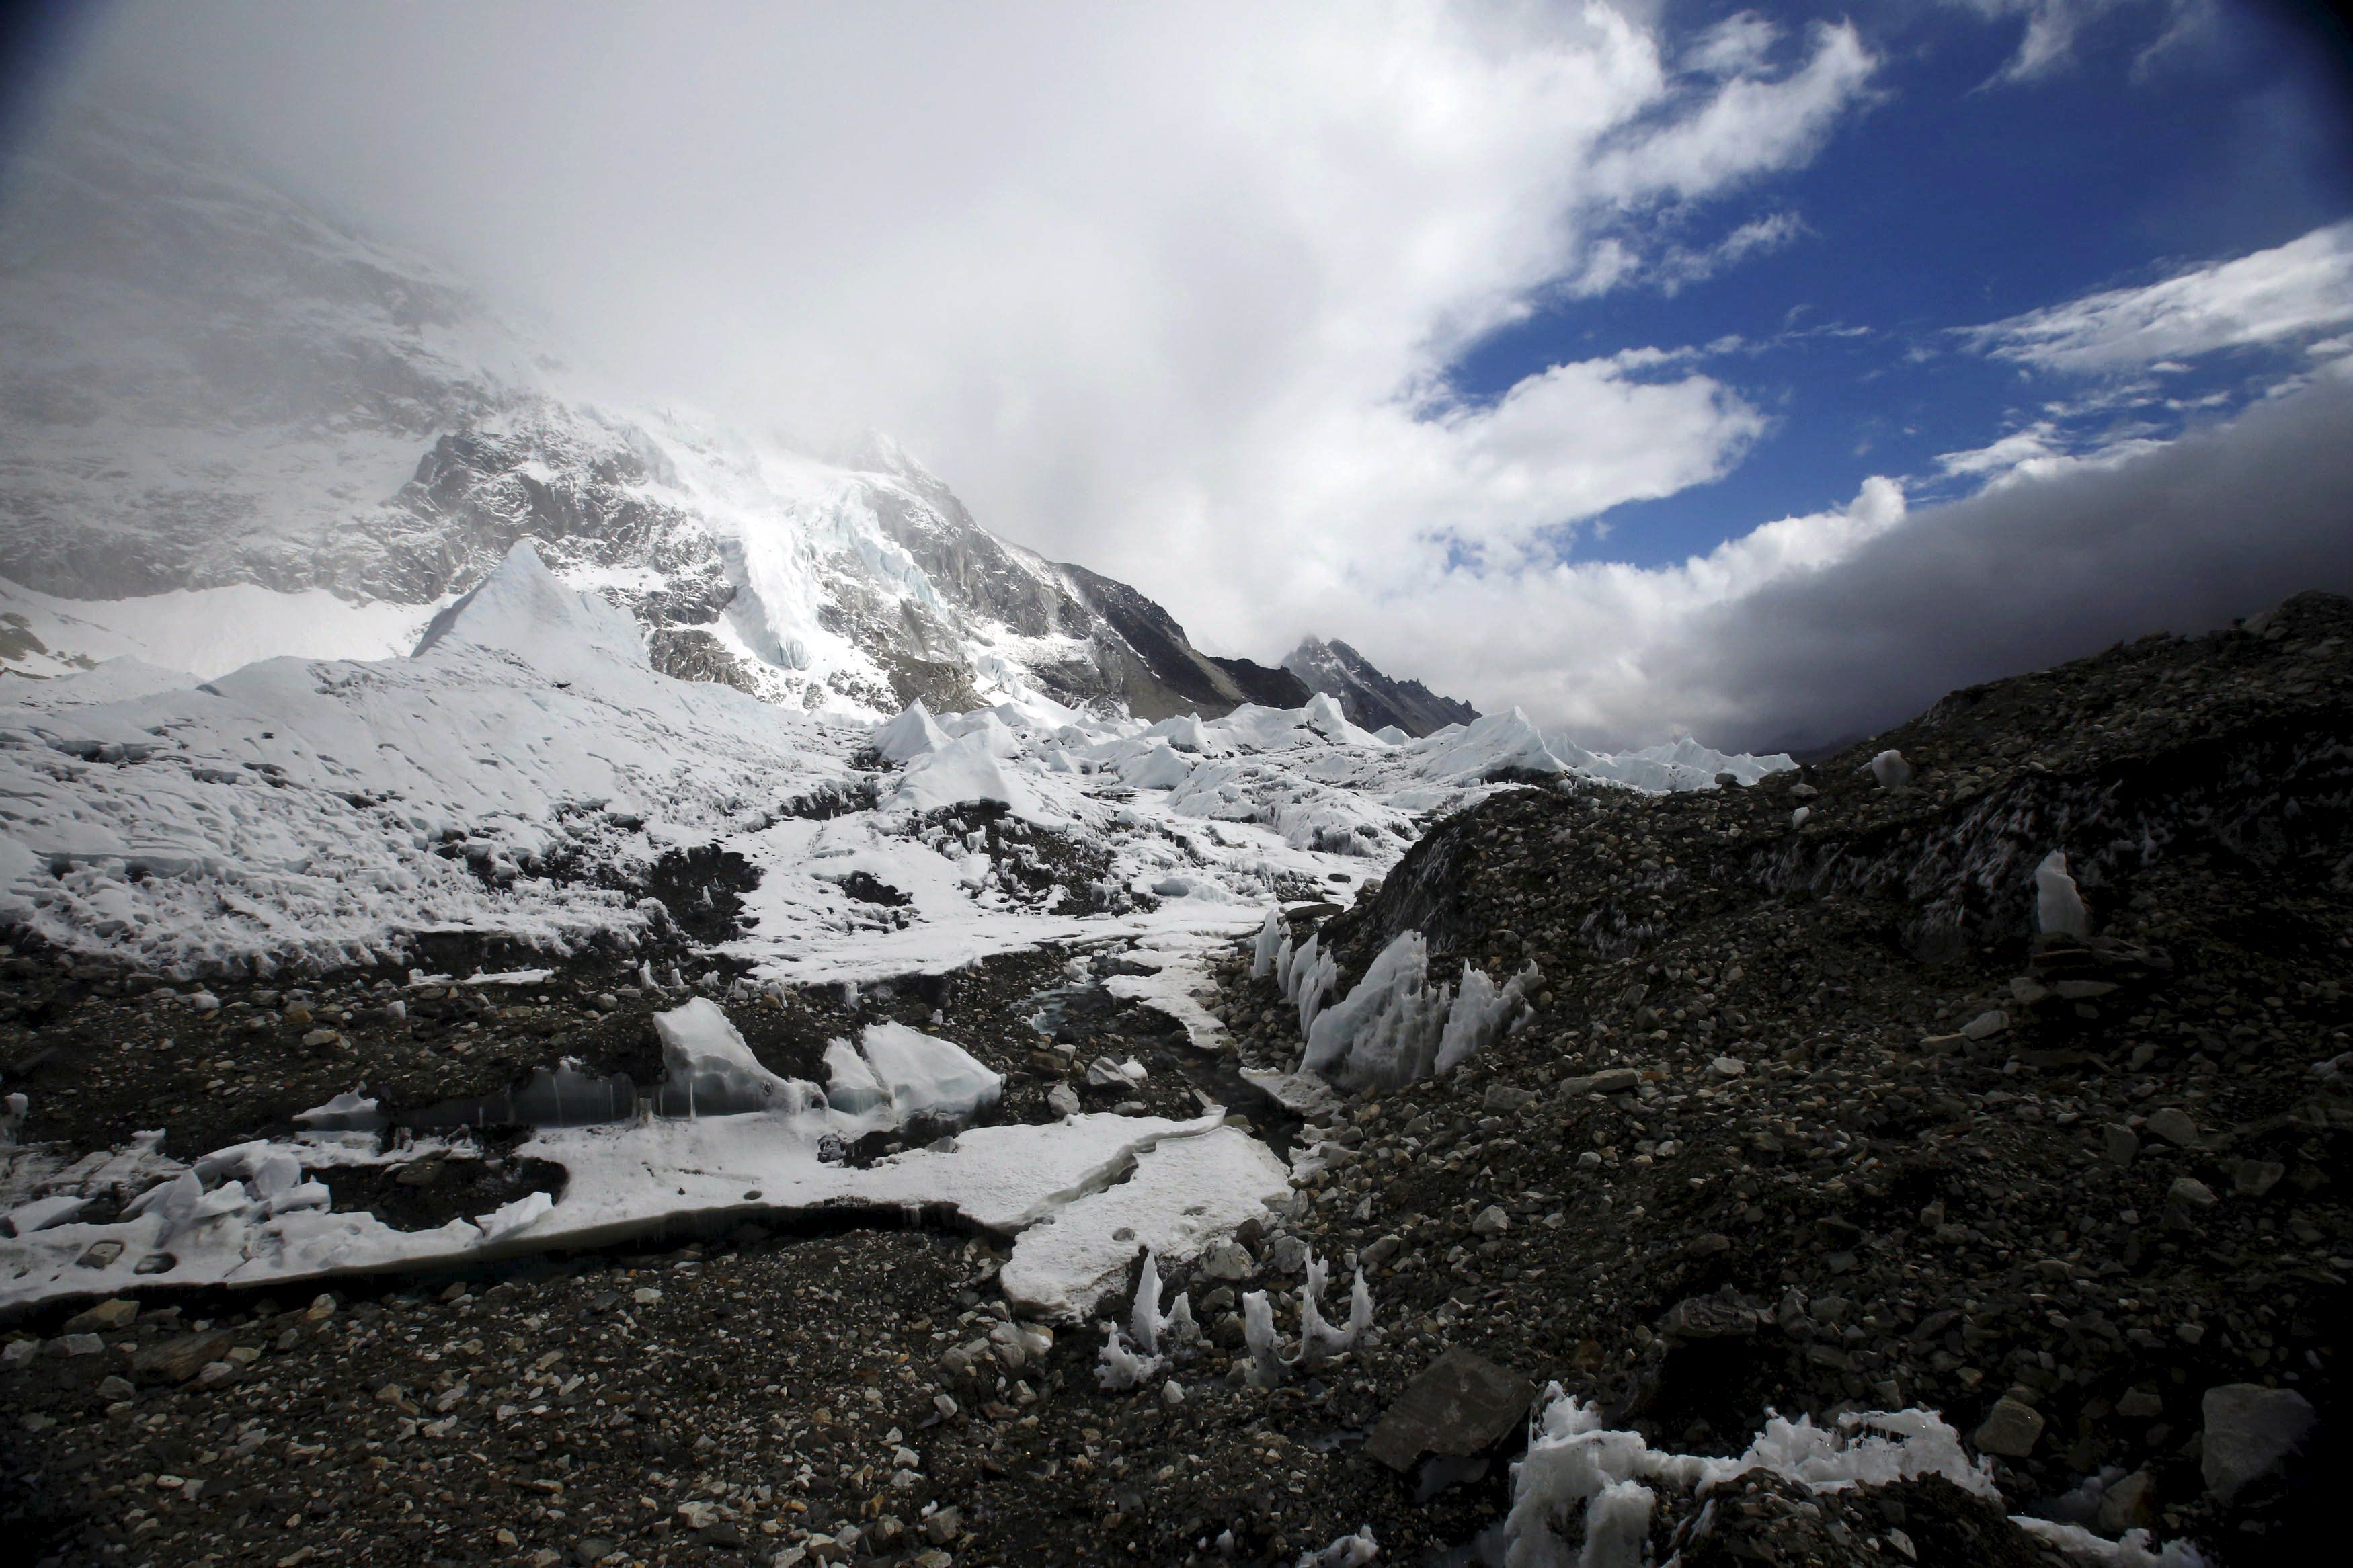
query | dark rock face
(1369,698)
(1148,661)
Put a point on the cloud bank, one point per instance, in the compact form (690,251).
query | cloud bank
(1169,291)
(1824,627)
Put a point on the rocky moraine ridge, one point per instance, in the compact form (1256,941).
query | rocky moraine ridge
(1809,1118)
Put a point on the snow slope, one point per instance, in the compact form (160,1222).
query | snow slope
(528,763)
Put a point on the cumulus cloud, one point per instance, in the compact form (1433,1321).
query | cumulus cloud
(2296,290)
(1169,291)
(1833,625)
(2216,525)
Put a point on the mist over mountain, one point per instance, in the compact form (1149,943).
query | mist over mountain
(212,383)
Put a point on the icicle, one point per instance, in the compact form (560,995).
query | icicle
(1144,1318)
(1268,934)
(1258,1333)
(1360,1308)
(1302,965)
(1316,983)
(1284,956)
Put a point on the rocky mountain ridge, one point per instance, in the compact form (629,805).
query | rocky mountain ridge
(213,384)
(1369,698)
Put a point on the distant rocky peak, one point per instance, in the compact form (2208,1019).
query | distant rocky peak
(1370,699)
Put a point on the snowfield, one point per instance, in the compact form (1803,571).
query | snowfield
(526,766)
(524,773)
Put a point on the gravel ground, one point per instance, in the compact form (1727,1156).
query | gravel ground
(1808,1120)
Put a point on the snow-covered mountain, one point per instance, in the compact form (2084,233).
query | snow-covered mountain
(1368,697)
(211,385)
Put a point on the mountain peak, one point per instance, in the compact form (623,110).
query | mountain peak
(1370,699)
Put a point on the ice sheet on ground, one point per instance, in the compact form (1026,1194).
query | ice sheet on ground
(528,762)
(207,631)
(622,1178)
(1185,1194)
(1176,984)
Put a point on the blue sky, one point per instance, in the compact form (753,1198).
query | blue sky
(1960,196)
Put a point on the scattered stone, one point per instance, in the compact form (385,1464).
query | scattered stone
(1990,1022)
(2011,1429)
(2175,1127)
(2119,1145)
(2255,1178)
(1459,1405)
(179,1358)
(2130,1504)
(2251,1432)
(106,1318)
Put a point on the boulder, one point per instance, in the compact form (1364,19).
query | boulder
(2250,1433)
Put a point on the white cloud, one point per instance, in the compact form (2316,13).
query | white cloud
(2043,451)
(2297,290)
(1169,291)
(1833,624)
(1737,45)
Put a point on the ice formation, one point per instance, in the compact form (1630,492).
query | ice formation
(2058,906)
(925,1076)
(1318,1339)
(1127,1358)
(1891,769)
(350,1109)
(708,1070)
(1266,1368)
(1574,1463)
(911,735)
(1347,1552)
(1312,974)
(1119,1365)
(1270,935)
(1394,1027)
(850,1086)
